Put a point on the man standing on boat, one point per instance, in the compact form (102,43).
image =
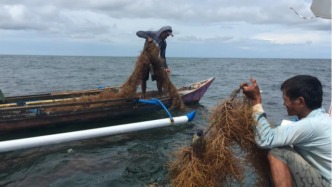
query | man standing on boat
(300,152)
(158,37)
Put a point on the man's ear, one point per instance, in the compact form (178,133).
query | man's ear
(301,101)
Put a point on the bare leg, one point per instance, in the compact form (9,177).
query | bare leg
(160,86)
(143,85)
(281,174)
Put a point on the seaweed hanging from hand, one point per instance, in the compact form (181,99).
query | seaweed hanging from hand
(150,54)
(228,146)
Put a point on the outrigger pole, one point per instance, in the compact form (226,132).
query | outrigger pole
(25,143)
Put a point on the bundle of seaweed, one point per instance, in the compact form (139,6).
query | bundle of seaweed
(162,77)
(128,88)
(222,154)
(150,54)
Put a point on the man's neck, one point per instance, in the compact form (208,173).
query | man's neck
(304,113)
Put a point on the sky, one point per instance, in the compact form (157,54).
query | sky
(201,28)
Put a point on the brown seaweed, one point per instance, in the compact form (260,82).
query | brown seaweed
(150,54)
(228,147)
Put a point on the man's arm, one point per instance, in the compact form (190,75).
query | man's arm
(145,34)
(270,137)
(142,34)
(266,135)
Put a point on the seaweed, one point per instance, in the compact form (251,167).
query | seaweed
(221,155)
(150,54)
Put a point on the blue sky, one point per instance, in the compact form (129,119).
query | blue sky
(210,28)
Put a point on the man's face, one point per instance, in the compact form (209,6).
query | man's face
(291,105)
(164,35)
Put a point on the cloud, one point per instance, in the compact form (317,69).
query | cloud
(301,38)
(215,39)
(186,12)
(209,22)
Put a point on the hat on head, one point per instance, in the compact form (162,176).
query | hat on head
(167,29)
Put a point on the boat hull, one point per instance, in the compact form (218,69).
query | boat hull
(33,116)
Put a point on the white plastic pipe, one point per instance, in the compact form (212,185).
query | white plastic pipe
(25,143)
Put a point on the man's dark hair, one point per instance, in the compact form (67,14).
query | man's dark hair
(306,86)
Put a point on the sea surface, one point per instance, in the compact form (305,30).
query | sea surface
(140,158)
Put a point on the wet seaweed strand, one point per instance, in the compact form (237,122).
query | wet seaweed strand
(228,145)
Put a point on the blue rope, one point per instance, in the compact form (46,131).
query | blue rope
(155,101)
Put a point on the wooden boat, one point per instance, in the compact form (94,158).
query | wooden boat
(22,112)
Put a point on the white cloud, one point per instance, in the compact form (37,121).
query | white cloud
(185,12)
(300,38)
(17,12)
(210,22)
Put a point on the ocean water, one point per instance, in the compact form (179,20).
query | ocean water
(135,159)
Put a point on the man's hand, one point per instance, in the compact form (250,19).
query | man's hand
(168,71)
(252,91)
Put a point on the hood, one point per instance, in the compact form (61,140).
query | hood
(164,28)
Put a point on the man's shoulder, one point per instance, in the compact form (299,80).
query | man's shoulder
(319,121)
(317,112)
